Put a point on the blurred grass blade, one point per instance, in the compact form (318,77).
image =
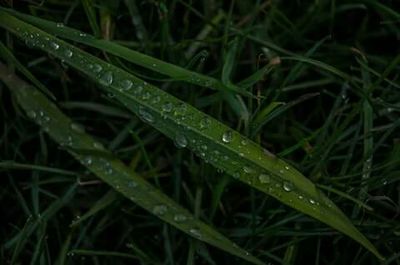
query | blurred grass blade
(208,138)
(6,54)
(111,170)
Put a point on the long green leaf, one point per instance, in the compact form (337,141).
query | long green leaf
(146,61)
(111,170)
(205,136)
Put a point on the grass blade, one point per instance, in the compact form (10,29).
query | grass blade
(111,170)
(214,142)
(151,63)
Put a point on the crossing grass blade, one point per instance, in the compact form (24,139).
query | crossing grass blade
(208,138)
(102,163)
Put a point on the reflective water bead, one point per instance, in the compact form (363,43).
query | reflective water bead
(287,186)
(180,218)
(180,140)
(68,53)
(167,107)
(145,116)
(54,45)
(195,233)
(126,84)
(106,78)
(98,146)
(205,123)
(227,136)
(264,179)
(160,209)
(31,114)
(96,68)
(77,128)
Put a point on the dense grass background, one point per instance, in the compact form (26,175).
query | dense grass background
(339,126)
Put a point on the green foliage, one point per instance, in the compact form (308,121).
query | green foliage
(327,106)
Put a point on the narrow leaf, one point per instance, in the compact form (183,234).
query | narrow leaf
(225,149)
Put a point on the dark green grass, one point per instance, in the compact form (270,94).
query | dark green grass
(342,108)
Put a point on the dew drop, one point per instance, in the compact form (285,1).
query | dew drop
(132,184)
(68,53)
(311,201)
(160,209)
(126,84)
(155,100)
(77,128)
(204,123)
(195,233)
(98,146)
(59,25)
(54,45)
(227,137)
(180,110)
(179,218)
(167,107)
(145,116)
(96,68)
(180,140)
(248,170)
(87,161)
(106,79)
(32,114)
(287,186)
(236,175)
(264,178)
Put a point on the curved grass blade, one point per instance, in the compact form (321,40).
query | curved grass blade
(111,170)
(211,140)
(146,61)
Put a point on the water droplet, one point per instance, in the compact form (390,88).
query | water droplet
(155,100)
(204,123)
(32,114)
(287,167)
(106,79)
(311,201)
(248,170)
(227,137)
(146,96)
(179,218)
(167,107)
(244,142)
(132,184)
(268,153)
(87,161)
(236,175)
(126,84)
(180,140)
(287,186)
(98,146)
(97,68)
(54,45)
(59,25)
(180,110)
(145,116)
(77,128)
(195,233)
(160,209)
(264,179)
(68,53)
